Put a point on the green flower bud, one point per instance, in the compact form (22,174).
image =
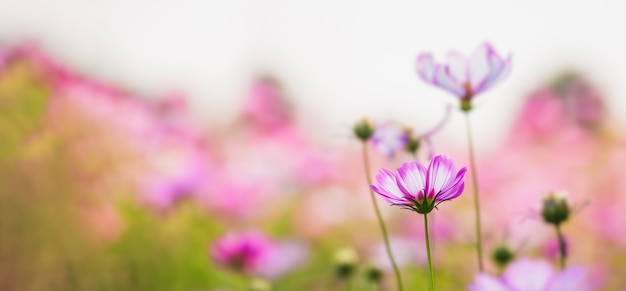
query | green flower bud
(502,255)
(555,208)
(345,262)
(373,275)
(363,129)
(412,145)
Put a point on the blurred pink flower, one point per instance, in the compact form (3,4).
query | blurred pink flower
(151,146)
(406,251)
(534,275)
(465,77)
(265,108)
(239,195)
(389,138)
(541,116)
(175,175)
(253,253)
(418,188)
(282,258)
(244,183)
(551,150)
(240,251)
(582,103)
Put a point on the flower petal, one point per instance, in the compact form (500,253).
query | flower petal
(440,174)
(454,189)
(486,282)
(479,65)
(457,67)
(412,179)
(425,66)
(445,81)
(486,67)
(389,138)
(387,187)
(572,278)
(527,274)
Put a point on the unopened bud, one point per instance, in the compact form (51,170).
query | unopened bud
(363,129)
(345,262)
(555,209)
(502,255)
(373,274)
(412,145)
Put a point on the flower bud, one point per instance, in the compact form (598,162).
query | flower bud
(555,209)
(502,255)
(363,129)
(345,262)
(373,275)
(412,145)
(466,104)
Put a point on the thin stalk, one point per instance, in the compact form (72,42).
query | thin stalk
(430,261)
(380,219)
(470,144)
(562,246)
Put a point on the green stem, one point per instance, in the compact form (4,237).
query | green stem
(380,219)
(430,261)
(470,144)
(562,246)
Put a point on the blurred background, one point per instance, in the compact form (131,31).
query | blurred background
(136,136)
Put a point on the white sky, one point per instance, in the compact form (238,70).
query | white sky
(339,60)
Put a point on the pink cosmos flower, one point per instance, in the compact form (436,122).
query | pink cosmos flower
(534,275)
(265,107)
(240,251)
(465,77)
(418,188)
(582,103)
(389,138)
(152,146)
(253,253)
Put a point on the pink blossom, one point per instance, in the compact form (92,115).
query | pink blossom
(418,188)
(582,103)
(465,77)
(253,253)
(389,138)
(240,251)
(149,145)
(534,275)
(265,108)
(406,251)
